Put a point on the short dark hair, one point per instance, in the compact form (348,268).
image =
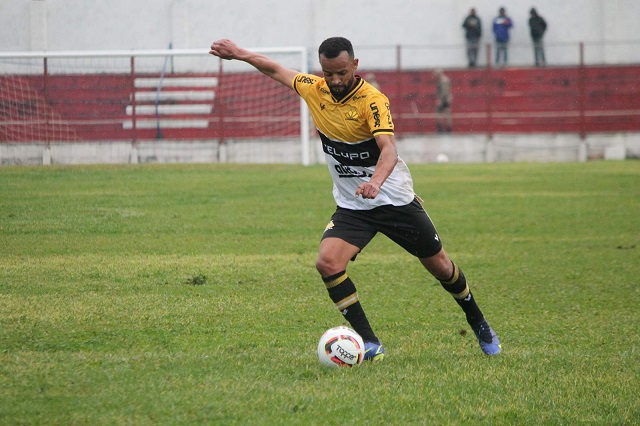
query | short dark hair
(331,47)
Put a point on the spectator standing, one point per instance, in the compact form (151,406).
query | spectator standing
(538,27)
(444,121)
(501,26)
(473,31)
(371,79)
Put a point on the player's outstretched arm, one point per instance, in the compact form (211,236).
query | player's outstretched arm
(227,49)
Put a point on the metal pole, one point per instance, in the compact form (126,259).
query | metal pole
(398,97)
(220,104)
(304,116)
(581,93)
(489,94)
(134,136)
(45,108)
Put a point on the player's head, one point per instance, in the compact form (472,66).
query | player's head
(333,46)
(338,64)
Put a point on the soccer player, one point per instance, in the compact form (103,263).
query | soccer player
(372,187)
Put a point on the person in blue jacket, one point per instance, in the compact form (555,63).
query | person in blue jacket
(501,26)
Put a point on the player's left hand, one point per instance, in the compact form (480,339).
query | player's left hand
(368,190)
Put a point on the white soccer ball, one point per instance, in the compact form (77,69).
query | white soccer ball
(340,347)
(442,158)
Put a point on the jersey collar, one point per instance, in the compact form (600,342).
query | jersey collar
(345,98)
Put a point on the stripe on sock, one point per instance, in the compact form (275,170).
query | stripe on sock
(457,284)
(454,277)
(463,294)
(347,301)
(335,280)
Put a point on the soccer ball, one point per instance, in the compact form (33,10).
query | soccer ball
(442,158)
(340,347)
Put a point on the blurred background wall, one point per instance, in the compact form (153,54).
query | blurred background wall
(432,26)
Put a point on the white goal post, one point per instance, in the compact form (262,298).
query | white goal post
(146,96)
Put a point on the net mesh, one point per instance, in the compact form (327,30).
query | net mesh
(117,97)
(25,115)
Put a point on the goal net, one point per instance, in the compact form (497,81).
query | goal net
(162,97)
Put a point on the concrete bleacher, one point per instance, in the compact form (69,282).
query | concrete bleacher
(171,102)
(520,100)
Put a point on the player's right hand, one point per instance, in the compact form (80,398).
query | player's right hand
(224,49)
(368,190)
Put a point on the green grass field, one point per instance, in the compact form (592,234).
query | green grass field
(187,294)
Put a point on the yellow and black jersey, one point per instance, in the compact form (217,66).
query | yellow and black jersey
(347,129)
(361,114)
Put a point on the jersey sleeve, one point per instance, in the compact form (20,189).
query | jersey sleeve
(378,115)
(302,84)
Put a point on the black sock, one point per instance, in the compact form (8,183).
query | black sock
(457,286)
(343,293)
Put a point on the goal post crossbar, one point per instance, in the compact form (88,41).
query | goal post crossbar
(140,53)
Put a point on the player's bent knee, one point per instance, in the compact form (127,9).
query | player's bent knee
(438,265)
(323,266)
(327,266)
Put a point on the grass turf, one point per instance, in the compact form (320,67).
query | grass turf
(186,294)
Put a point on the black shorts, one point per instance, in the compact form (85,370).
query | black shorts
(408,226)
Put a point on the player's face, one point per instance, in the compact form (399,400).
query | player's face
(339,73)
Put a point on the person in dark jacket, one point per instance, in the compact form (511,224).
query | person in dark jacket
(473,31)
(538,26)
(501,26)
(444,98)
